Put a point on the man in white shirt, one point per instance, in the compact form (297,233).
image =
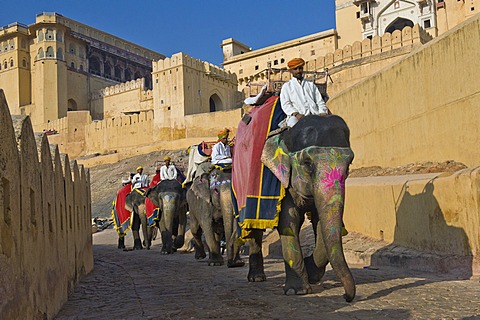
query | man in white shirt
(221,153)
(140,180)
(168,170)
(300,97)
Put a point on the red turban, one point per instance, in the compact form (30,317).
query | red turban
(297,62)
(223,134)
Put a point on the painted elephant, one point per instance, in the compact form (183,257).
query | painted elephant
(211,212)
(311,161)
(135,202)
(169,197)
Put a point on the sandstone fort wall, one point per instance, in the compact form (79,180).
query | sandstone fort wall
(45,221)
(423,108)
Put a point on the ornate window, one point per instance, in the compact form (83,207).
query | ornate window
(60,53)
(40,54)
(50,53)
(49,36)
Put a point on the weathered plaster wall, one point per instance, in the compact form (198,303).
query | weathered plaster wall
(45,228)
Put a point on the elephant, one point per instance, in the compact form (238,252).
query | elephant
(311,160)
(169,197)
(211,212)
(135,202)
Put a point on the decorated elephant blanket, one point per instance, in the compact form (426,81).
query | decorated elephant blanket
(152,210)
(122,218)
(257,192)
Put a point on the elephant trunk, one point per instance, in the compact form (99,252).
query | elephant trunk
(329,203)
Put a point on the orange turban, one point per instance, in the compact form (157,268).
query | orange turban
(223,134)
(297,62)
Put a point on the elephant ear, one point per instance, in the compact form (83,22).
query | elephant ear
(275,156)
(201,188)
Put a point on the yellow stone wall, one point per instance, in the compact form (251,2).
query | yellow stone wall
(248,64)
(397,118)
(45,216)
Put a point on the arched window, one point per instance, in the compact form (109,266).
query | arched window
(72,49)
(94,65)
(81,67)
(107,70)
(72,65)
(11,44)
(40,54)
(49,35)
(11,63)
(398,24)
(59,36)
(60,54)
(72,105)
(128,75)
(215,103)
(41,35)
(50,53)
(118,73)
(5,64)
(24,63)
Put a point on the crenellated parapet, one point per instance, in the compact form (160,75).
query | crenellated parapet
(45,216)
(122,121)
(409,36)
(120,88)
(368,47)
(184,60)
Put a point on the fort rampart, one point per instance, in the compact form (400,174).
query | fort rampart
(425,107)
(45,221)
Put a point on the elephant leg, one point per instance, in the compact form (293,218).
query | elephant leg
(256,272)
(145,229)
(121,242)
(289,225)
(212,237)
(330,218)
(318,260)
(137,243)
(166,235)
(180,228)
(230,233)
(197,236)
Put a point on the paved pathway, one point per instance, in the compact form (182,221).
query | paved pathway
(143,284)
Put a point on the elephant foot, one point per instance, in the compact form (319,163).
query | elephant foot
(121,243)
(235,263)
(289,290)
(200,254)
(295,283)
(137,244)
(256,272)
(314,272)
(216,260)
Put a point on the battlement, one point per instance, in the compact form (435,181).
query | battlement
(184,60)
(124,120)
(360,49)
(120,88)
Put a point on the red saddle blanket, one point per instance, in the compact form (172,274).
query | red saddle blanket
(256,190)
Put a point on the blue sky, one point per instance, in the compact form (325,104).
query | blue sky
(195,27)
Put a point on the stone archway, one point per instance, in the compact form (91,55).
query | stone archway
(72,105)
(215,103)
(398,24)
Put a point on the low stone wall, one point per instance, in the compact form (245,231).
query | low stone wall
(435,213)
(45,222)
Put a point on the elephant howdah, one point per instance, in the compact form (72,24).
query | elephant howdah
(311,162)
